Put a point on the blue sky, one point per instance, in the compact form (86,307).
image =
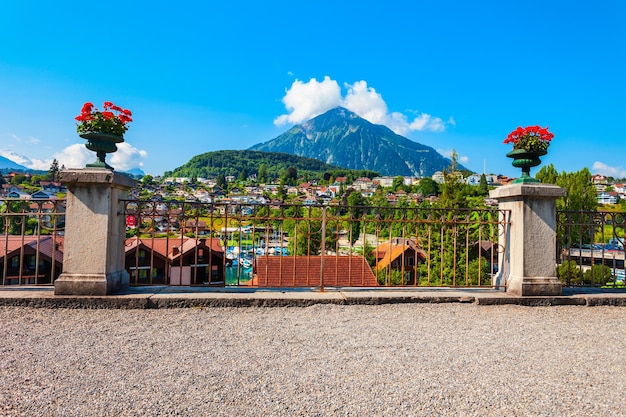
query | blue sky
(201,76)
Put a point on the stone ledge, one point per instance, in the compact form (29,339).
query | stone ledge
(532,301)
(200,300)
(73,177)
(527,190)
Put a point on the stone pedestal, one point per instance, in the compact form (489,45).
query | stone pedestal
(93,257)
(528,266)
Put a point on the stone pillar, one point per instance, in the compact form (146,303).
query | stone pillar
(529,263)
(93,256)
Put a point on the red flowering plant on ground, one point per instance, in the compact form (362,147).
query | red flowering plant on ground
(530,138)
(111,120)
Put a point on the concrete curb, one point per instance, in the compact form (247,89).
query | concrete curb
(167,299)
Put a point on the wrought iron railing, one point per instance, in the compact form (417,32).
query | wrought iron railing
(31,243)
(590,248)
(286,245)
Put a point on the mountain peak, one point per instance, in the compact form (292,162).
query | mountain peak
(340,137)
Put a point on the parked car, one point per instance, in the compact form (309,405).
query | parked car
(616,242)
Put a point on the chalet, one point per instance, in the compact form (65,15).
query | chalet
(52,187)
(384,181)
(12,189)
(401,255)
(608,197)
(198,227)
(18,194)
(363,183)
(44,195)
(438,177)
(401,195)
(303,271)
(306,187)
(598,179)
(473,179)
(187,261)
(30,259)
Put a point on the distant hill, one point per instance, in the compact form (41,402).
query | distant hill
(232,162)
(340,137)
(8,165)
(135,173)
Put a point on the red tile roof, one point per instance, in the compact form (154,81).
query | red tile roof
(388,252)
(304,271)
(172,247)
(11,244)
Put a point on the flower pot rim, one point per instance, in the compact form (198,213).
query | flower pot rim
(102,135)
(524,151)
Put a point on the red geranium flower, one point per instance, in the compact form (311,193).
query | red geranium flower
(112,120)
(530,138)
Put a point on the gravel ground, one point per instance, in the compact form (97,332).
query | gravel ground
(384,360)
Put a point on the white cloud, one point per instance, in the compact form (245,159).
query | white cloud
(37,164)
(126,158)
(366,102)
(608,171)
(77,156)
(304,101)
(18,159)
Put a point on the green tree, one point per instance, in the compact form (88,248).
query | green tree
(290,175)
(428,187)
(398,183)
(390,277)
(262,173)
(147,180)
(356,202)
(569,273)
(580,191)
(547,175)
(282,192)
(36,179)
(243,175)
(53,172)
(597,275)
(580,201)
(306,238)
(18,179)
(483,188)
(454,192)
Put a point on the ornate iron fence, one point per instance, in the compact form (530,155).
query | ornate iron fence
(284,245)
(590,248)
(31,244)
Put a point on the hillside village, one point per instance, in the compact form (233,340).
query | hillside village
(207,190)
